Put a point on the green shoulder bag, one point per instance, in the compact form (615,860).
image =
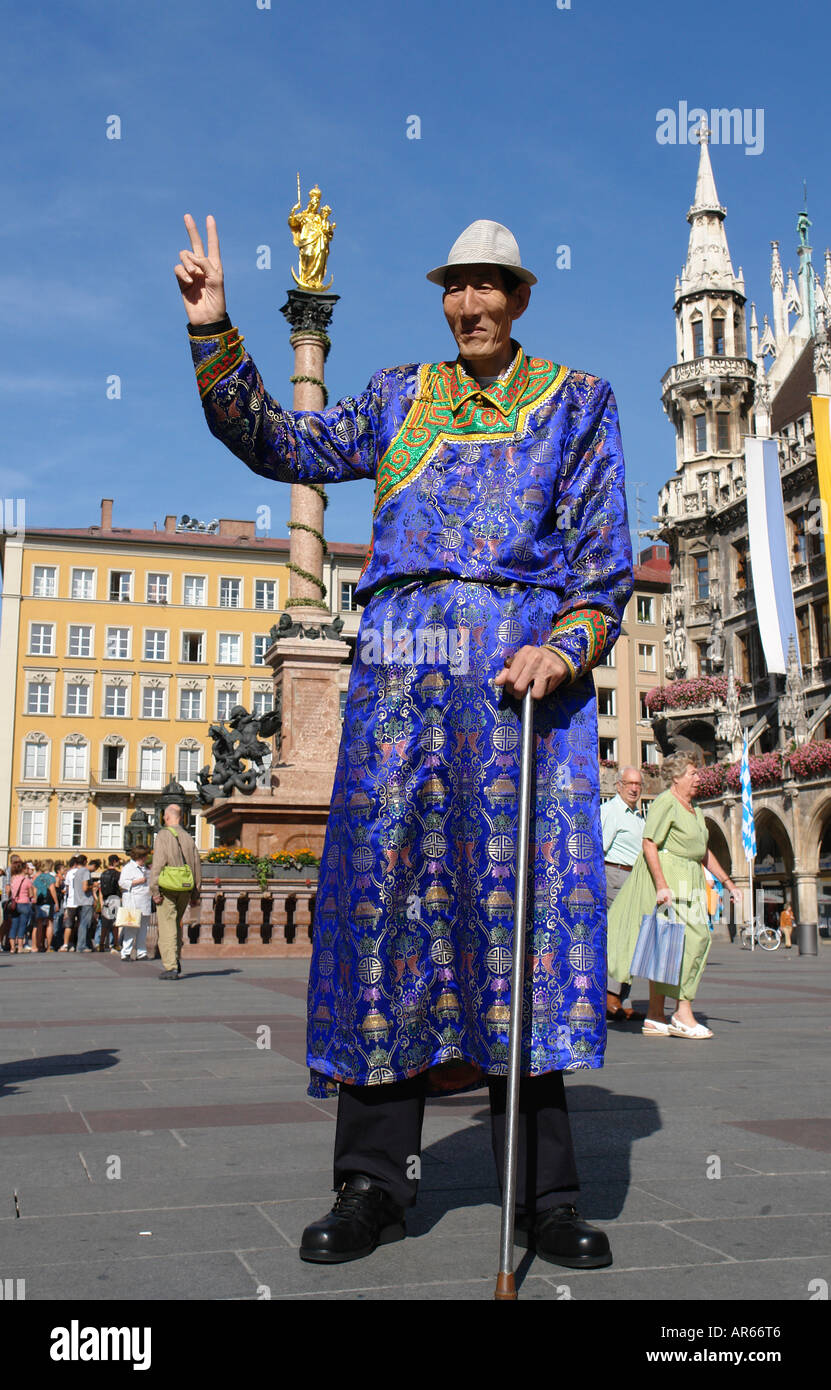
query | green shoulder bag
(176,878)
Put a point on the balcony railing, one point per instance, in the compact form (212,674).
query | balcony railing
(126,781)
(700,368)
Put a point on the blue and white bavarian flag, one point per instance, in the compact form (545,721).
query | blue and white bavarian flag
(748,825)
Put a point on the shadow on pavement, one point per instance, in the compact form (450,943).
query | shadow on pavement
(61,1064)
(459,1170)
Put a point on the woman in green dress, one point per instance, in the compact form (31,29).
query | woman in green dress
(669,870)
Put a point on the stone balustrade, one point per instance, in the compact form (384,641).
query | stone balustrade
(235,917)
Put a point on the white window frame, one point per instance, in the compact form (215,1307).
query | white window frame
(145,634)
(51,569)
(121,759)
(77,713)
(187,718)
(113,714)
(232,579)
(610,690)
(643,648)
(267,607)
(255,699)
(51,628)
(266,640)
(197,754)
(71,843)
(149,785)
(229,697)
(168,583)
(650,600)
(154,690)
(76,748)
(28,839)
(125,598)
(80,656)
(42,745)
(351,606)
(30,684)
(83,569)
(202,634)
(203,580)
(233,636)
(108,656)
(117,824)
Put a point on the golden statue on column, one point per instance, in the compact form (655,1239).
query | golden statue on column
(312,233)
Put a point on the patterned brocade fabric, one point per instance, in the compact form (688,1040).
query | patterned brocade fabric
(499,521)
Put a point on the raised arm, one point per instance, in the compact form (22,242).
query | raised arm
(288,446)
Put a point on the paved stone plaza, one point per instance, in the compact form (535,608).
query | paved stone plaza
(224,1159)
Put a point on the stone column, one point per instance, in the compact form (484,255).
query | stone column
(278,916)
(306,652)
(806,907)
(309,315)
(254,918)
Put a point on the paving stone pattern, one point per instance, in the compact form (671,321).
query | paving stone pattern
(707,1162)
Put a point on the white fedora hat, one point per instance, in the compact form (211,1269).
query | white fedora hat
(484,243)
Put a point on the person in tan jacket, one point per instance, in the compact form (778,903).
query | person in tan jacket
(173,847)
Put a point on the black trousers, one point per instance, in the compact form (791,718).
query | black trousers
(378,1133)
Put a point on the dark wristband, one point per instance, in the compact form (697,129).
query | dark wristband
(210,330)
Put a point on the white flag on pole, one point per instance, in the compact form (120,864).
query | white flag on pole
(770,562)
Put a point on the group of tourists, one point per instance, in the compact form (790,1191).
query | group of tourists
(52,905)
(78,906)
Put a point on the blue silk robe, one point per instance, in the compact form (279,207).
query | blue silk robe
(499,521)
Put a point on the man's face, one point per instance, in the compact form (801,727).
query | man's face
(630,789)
(480,312)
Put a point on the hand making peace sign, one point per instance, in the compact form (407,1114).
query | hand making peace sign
(200,276)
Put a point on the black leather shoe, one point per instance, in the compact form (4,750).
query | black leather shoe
(363,1216)
(169,975)
(560,1237)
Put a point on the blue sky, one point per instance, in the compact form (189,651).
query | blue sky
(541,117)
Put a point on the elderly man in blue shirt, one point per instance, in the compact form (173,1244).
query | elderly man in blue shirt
(622,826)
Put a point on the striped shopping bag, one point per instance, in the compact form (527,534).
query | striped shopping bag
(660,947)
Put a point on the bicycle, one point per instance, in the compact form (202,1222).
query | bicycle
(769,938)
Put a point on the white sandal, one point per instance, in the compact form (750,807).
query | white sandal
(653,1029)
(684,1030)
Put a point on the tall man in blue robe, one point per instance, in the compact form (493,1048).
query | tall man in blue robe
(500,529)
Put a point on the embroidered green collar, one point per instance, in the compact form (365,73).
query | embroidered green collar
(504,394)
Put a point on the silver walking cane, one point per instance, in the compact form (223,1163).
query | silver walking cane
(505,1285)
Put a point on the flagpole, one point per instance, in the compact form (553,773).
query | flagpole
(748,832)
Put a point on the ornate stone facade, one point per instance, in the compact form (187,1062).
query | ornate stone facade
(714,395)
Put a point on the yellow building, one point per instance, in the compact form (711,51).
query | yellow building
(634,666)
(118,647)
